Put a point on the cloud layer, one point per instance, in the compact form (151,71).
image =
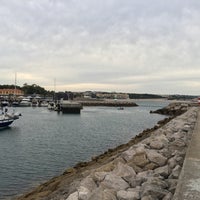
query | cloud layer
(147,46)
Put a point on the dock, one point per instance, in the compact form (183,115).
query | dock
(70,107)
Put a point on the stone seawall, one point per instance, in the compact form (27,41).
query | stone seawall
(146,168)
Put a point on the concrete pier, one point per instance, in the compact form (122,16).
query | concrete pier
(188,187)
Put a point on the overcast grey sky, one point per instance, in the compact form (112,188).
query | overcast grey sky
(143,46)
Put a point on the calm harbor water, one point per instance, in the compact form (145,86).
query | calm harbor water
(43,143)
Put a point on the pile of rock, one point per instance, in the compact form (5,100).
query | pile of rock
(148,170)
(173,109)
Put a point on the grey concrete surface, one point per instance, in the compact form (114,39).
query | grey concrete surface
(188,187)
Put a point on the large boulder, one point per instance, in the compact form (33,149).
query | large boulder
(130,194)
(156,157)
(124,171)
(103,194)
(112,181)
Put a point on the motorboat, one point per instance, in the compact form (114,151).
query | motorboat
(43,104)
(25,102)
(4,103)
(5,122)
(51,106)
(34,103)
(7,119)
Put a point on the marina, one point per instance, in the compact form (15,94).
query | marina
(42,144)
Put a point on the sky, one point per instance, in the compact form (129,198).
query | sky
(136,46)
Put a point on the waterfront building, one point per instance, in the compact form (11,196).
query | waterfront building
(11,92)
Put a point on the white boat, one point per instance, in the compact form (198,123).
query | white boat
(5,122)
(7,119)
(43,104)
(25,102)
(4,103)
(34,103)
(51,106)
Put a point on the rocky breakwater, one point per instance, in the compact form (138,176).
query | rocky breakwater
(173,109)
(147,170)
(112,103)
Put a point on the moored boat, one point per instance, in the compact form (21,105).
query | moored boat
(25,102)
(5,122)
(7,119)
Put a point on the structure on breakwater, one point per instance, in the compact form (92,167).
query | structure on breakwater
(146,168)
(70,107)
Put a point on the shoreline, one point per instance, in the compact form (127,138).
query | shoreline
(83,169)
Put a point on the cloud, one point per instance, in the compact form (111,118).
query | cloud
(143,46)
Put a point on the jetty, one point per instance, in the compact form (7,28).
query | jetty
(160,163)
(106,102)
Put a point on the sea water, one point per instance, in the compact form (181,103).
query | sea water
(42,143)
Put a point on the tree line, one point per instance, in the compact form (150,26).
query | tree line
(29,89)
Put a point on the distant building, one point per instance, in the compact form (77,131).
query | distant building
(8,92)
(102,95)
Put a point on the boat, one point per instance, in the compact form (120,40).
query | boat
(34,102)
(4,103)
(51,106)
(5,122)
(120,108)
(25,102)
(43,104)
(7,119)
(15,103)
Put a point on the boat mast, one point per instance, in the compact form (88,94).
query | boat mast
(15,84)
(54,95)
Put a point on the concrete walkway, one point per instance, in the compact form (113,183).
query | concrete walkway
(188,187)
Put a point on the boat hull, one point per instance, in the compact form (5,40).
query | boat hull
(6,123)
